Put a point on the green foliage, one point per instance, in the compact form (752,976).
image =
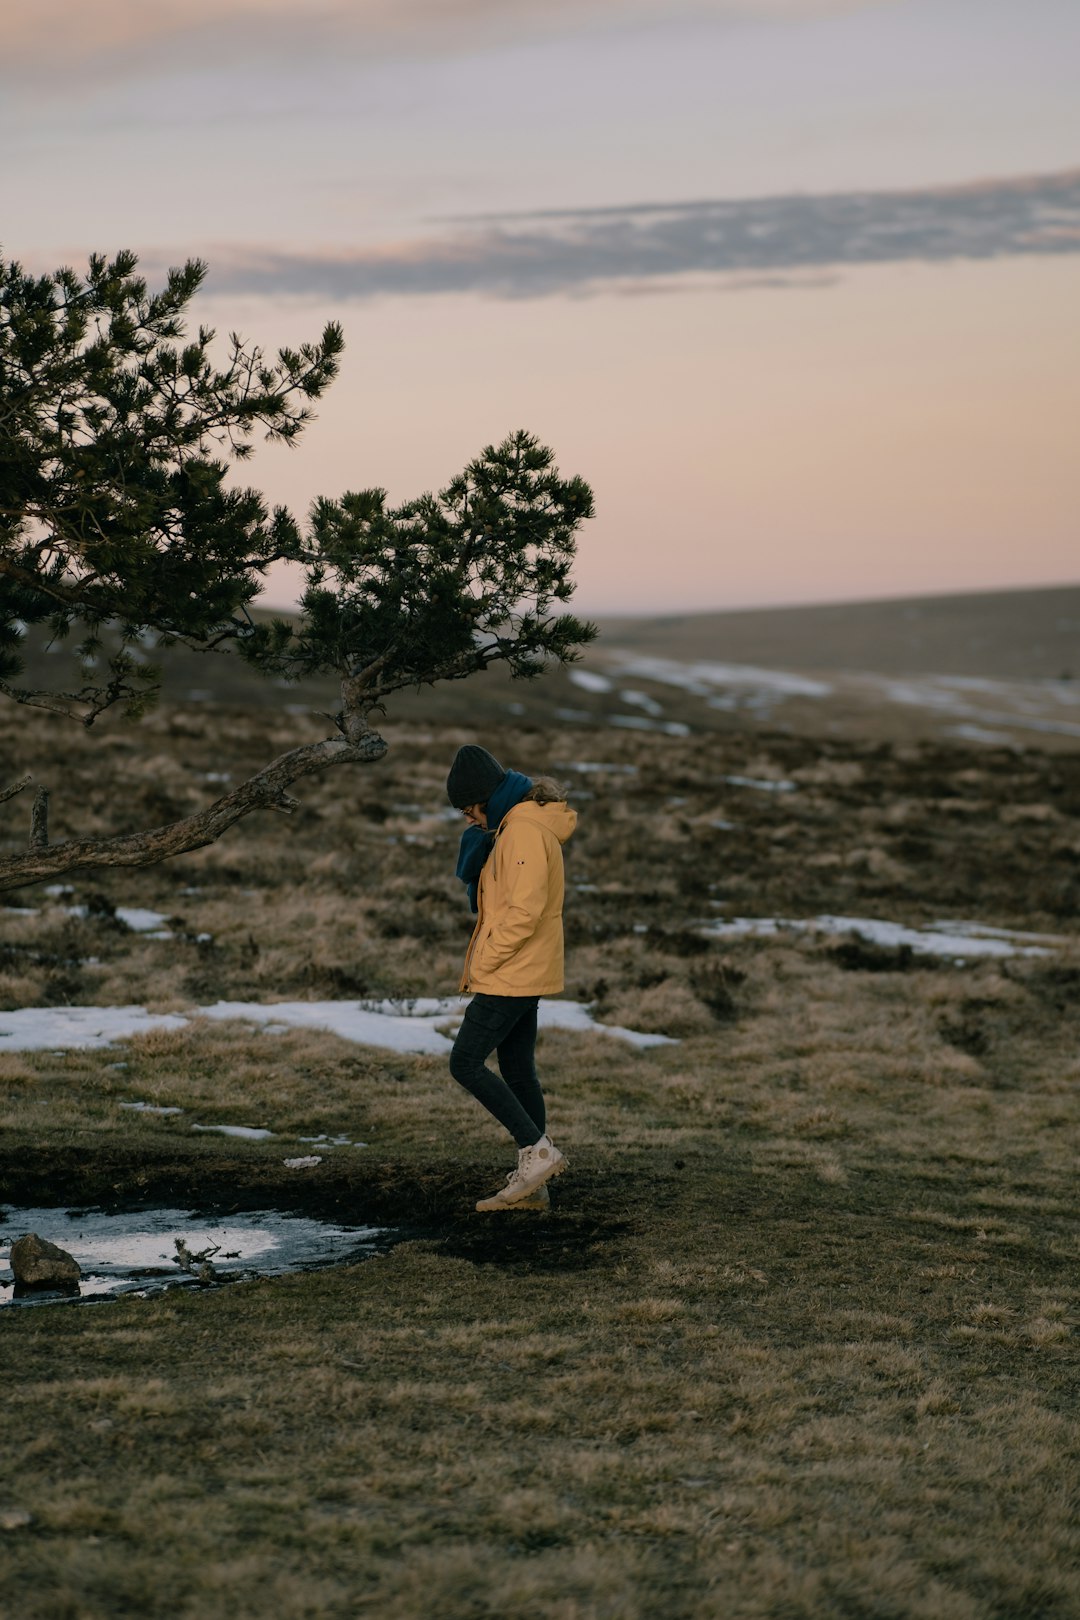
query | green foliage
(116,438)
(443,585)
(115,444)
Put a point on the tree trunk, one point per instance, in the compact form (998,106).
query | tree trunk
(264,790)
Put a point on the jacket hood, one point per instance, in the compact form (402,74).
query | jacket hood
(557,817)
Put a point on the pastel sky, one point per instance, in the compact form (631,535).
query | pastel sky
(793,283)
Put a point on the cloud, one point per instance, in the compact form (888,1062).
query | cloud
(659,246)
(44,38)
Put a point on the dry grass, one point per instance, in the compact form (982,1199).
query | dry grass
(798,1339)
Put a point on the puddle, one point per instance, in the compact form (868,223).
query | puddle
(136,1252)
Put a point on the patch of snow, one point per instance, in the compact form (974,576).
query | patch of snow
(59,889)
(411,1025)
(248,1133)
(632,722)
(920,694)
(957,940)
(589,681)
(21,911)
(1051,728)
(573,1015)
(141,921)
(586,766)
(573,714)
(137,918)
(414,1025)
(308,1163)
(977,930)
(637,722)
(38,1029)
(945,695)
(973,683)
(384,1024)
(763,784)
(143,1107)
(978,734)
(641,700)
(701,678)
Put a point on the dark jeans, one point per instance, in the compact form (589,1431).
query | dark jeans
(506,1025)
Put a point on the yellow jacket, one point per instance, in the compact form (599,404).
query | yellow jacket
(517,945)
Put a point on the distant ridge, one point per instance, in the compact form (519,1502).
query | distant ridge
(1030,635)
(1005,635)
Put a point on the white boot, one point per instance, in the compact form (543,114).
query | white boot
(538,1200)
(535,1165)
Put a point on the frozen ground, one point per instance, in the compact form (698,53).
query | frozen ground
(708,679)
(956,940)
(426,1024)
(35,1029)
(419,1025)
(139,919)
(967,708)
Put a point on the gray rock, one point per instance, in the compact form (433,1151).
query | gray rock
(37,1263)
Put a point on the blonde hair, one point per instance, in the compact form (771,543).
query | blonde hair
(545,790)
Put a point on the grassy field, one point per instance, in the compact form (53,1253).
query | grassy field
(798,1338)
(1004,635)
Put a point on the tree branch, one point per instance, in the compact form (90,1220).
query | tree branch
(16,787)
(39,820)
(54,703)
(266,789)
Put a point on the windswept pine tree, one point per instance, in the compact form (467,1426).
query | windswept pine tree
(120,527)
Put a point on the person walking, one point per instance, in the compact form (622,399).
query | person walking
(511,862)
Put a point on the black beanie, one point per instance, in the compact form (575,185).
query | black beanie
(474,776)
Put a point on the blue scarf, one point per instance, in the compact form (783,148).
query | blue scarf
(476,844)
